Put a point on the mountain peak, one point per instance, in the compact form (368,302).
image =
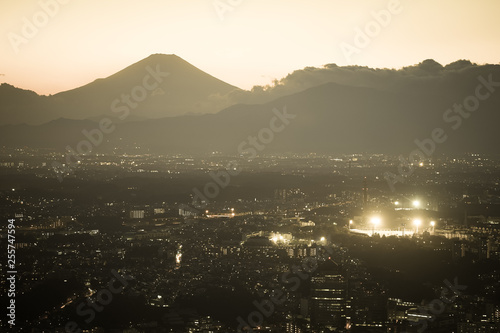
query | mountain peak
(185,89)
(460,64)
(163,55)
(161,58)
(430,66)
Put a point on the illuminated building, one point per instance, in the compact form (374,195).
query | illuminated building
(137,214)
(328,297)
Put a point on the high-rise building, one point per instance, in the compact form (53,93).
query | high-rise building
(328,297)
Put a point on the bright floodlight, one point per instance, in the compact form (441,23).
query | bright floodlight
(396,203)
(417,223)
(375,220)
(416,203)
(433,223)
(274,239)
(323,239)
(350,221)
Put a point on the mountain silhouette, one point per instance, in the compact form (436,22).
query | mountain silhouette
(185,90)
(379,111)
(330,118)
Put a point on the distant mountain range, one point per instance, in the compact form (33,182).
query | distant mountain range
(340,110)
(185,90)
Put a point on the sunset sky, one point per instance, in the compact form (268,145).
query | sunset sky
(253,43)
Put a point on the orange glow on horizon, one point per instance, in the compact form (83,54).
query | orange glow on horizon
(256,42)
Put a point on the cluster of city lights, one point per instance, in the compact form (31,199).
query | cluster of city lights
(277,239)
(415,203)
(232,214)
(376,221)
(418,222)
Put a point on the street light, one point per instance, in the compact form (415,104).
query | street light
(417,223)
(349,226)
(416,203)
(433,224)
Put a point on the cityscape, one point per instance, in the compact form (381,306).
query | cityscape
(232,166)
(292,243)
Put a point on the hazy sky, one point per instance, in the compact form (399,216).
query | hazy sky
(255,42)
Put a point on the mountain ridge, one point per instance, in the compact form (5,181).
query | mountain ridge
(187,90)
(329,118)
(384,111)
